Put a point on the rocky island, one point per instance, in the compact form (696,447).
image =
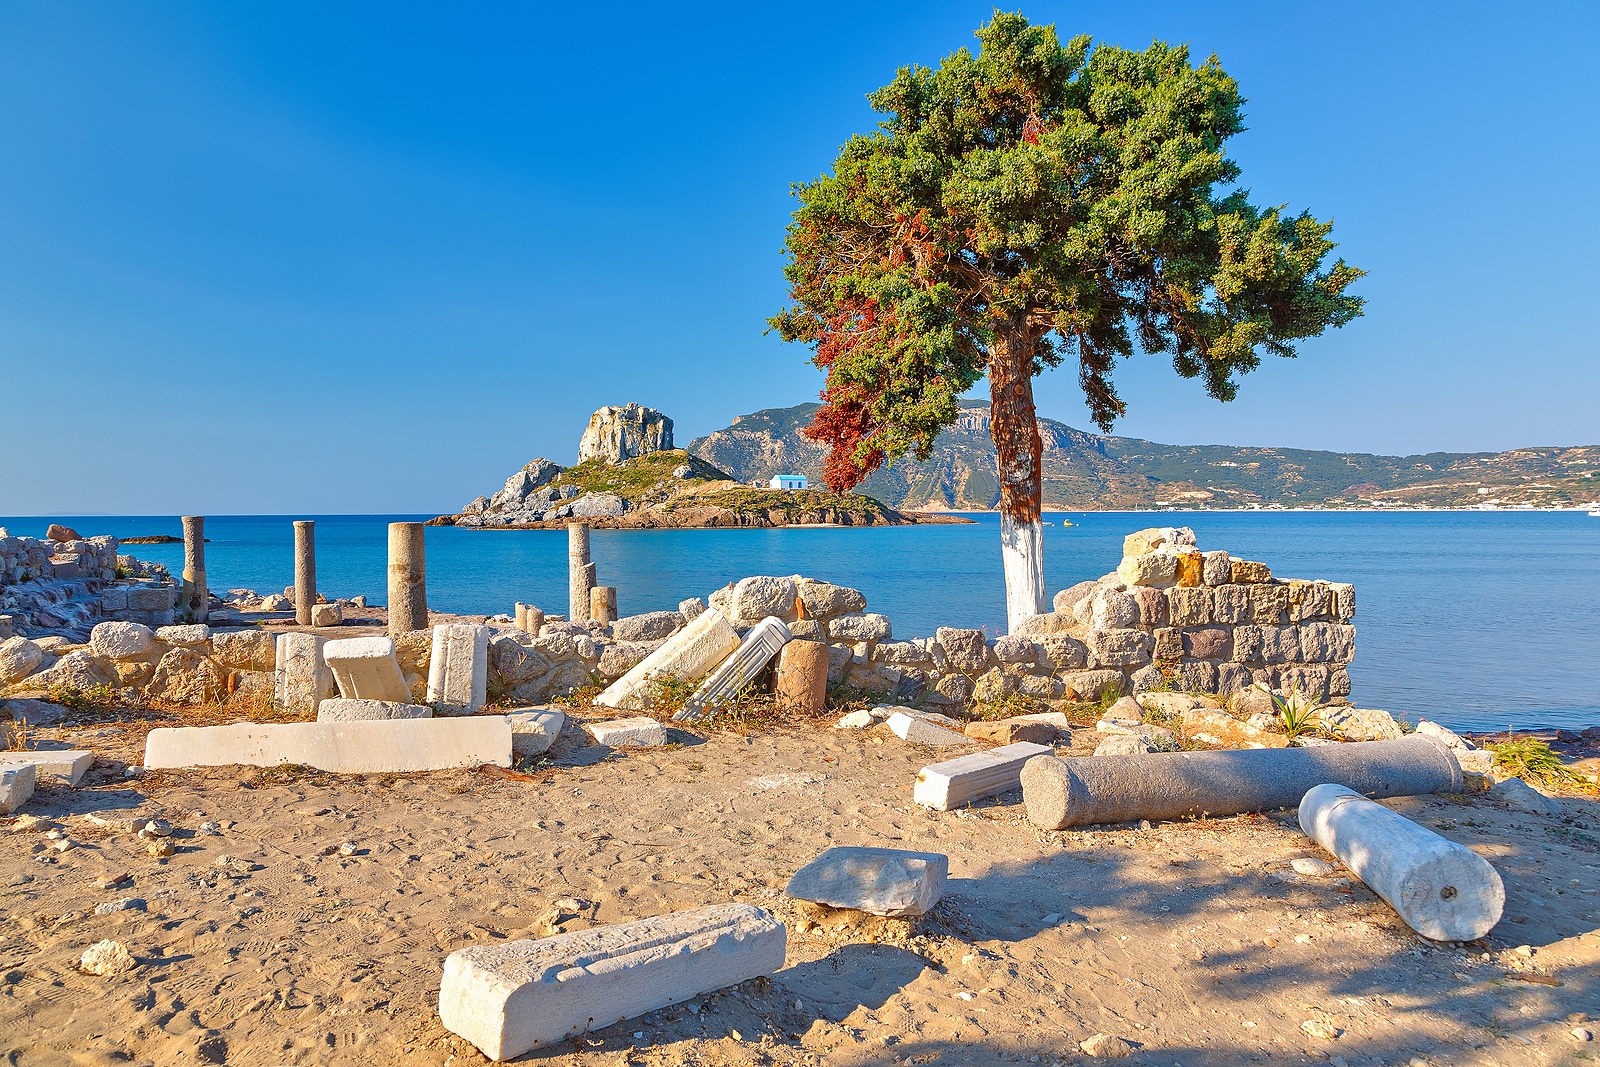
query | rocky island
(629,476)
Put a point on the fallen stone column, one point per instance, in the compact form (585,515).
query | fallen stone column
(196,601)
(507,999)
(603,603)
(964,779)
(803,677)
(380,747)
(305,572)
(580,572)
(408,578)
(765,639)
(301,679)
(1441,889)
(458,668)
(365,668)
(687,655)
(1174,785)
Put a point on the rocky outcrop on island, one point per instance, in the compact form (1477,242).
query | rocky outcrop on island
(630,476)
(616,434)
(1090,472)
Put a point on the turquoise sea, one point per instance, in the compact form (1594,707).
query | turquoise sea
(1474,619)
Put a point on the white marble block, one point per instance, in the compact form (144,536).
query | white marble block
(509,998)
(16,787)
(879,881)
(301,680)
(919,730)
(687,655)
(69,763)
(763,641)
(458,671)
(341,709)
(642,732)
(365,669)
(959,781)
(394,746)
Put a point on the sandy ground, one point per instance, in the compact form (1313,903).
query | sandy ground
(1194,941)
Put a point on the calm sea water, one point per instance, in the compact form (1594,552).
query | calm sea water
(1473,619)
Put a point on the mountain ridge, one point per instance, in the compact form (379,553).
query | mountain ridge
(1088,472)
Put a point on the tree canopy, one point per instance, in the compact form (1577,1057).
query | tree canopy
(1040,201)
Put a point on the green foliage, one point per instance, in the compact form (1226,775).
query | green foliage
(634,477)
(1048,199)
(70,696)
(1300,713)
(1533,760)
(753,501)
(1007,706)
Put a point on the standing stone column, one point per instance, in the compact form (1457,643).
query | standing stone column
(603,603)
(305,571)
(580,572)
(408,579)
(196,600)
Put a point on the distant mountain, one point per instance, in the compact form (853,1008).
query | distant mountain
(1090,472)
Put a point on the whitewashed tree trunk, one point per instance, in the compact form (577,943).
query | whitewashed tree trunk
(1022,552)
(1019,453)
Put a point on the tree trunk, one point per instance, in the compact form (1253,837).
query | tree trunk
(1016,437)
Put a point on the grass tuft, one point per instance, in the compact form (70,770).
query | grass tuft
(1533,760)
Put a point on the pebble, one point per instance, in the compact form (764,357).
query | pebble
(31,824)
(113,879)
(1318,1028)
(20,879)
(1312,868)
(66,844)
(1523,950)
(1105,1047)
(125,904)
(348,849)
(210,829)
(1582,1033)
(965,995)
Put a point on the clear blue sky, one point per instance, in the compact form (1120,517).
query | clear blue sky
(373,257)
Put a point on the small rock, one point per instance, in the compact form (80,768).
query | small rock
(1105,1047)
(31,824)
(209,829)
(1312,867)
(1582,1033)
(113,880)
(1518,795)
(879,881)
(162,846)
(921,731)
(640,731)
(234,865)
(106,958)
(348,849)
(125,904)
(66,844)
(855,720)
(156,828)
(1319,1029)
(1523,950)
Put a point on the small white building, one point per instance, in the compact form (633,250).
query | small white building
(787,481)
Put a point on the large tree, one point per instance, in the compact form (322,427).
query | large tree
(1035,203)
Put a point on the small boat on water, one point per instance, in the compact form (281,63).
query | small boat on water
(1594,514)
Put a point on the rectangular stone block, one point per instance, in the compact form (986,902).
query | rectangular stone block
(71,764)
(1191,569)
(1209,642)
(1217,568)
(1280,644)
(1246,644)
(1307,600)
(16,787)
(510,998)
(1342,601)
(1230,604)
(687,655)
(1245,572)
(1189,606)
(152,598)
(365,669)
(397,746)
(458,667)
(641,732)
(1311,680)
(760,644)
(1168,644)
(300,679)
(959,781)
(1269,604)
(1119,648)
(345,709)
(115,599)
(919,730)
